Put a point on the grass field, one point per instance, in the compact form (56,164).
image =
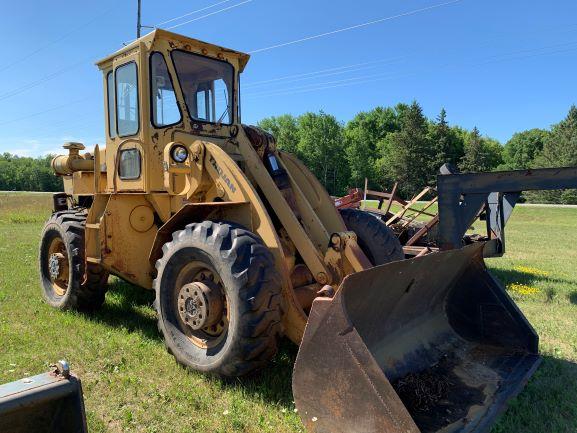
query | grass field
(132,384)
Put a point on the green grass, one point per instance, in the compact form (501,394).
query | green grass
(132,384)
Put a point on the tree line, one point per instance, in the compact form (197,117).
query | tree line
(19,173)
(400,144)
(384,145)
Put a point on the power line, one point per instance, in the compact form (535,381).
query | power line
(18,119)
(314,85)
(357,66)
(369,23)
(380,77)
(191,13)
(210,14)
(40,81)
(500,57)
(66,121)
(322,72)
(313,77)
(53,75)
(54,41)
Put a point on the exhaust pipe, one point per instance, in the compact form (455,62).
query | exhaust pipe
(65,165)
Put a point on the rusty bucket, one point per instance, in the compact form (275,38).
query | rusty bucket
(431,344)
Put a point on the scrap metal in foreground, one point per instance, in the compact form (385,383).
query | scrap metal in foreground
(47,403)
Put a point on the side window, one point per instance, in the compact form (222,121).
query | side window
(203,104)
(110,103)
(221,109)
(127,99)
(165,109)
(129,167)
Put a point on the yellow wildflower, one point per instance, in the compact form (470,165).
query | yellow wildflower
(522,289)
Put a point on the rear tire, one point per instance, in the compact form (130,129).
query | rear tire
(377,241)
(62,264)
(228,269)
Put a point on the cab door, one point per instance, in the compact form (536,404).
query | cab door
(126,157)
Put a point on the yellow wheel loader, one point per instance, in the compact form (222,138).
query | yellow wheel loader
(243,245)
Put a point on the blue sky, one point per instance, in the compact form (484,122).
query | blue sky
(500,66)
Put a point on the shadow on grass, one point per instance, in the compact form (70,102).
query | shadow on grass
(510,276)
(573,298)
(274,382)
(547,404)
(122,309)
(507,276)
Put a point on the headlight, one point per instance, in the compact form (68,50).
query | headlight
(179,153)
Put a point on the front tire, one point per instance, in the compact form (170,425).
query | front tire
(62,264)
(218,299)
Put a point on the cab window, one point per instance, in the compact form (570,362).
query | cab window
(129,166)
(110,104)
(127,111)
(207,85)
(165,110)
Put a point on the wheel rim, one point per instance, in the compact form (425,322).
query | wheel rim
(58,269)
(201,305)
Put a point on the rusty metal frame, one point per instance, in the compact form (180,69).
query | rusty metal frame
(465,197)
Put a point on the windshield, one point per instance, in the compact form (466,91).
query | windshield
(207,86)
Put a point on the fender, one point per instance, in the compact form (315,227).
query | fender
(238,212)
(236,201)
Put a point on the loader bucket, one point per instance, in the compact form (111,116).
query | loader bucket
(430,344)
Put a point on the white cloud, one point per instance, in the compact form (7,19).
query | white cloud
(50,145)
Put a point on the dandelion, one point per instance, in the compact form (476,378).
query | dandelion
(531,271)
(522,289)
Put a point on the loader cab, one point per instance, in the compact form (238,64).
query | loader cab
(160,89)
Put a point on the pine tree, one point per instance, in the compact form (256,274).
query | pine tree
(448,147)
(476,158)
(559,150)
(407,155)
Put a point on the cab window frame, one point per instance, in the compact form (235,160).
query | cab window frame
(233,114)
(111,104)
(152,96)
(137,84)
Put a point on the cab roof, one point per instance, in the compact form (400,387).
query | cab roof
(178,41)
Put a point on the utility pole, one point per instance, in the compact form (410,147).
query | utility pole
(138,25)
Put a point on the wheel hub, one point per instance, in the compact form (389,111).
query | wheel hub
(54,265)
(200,304)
